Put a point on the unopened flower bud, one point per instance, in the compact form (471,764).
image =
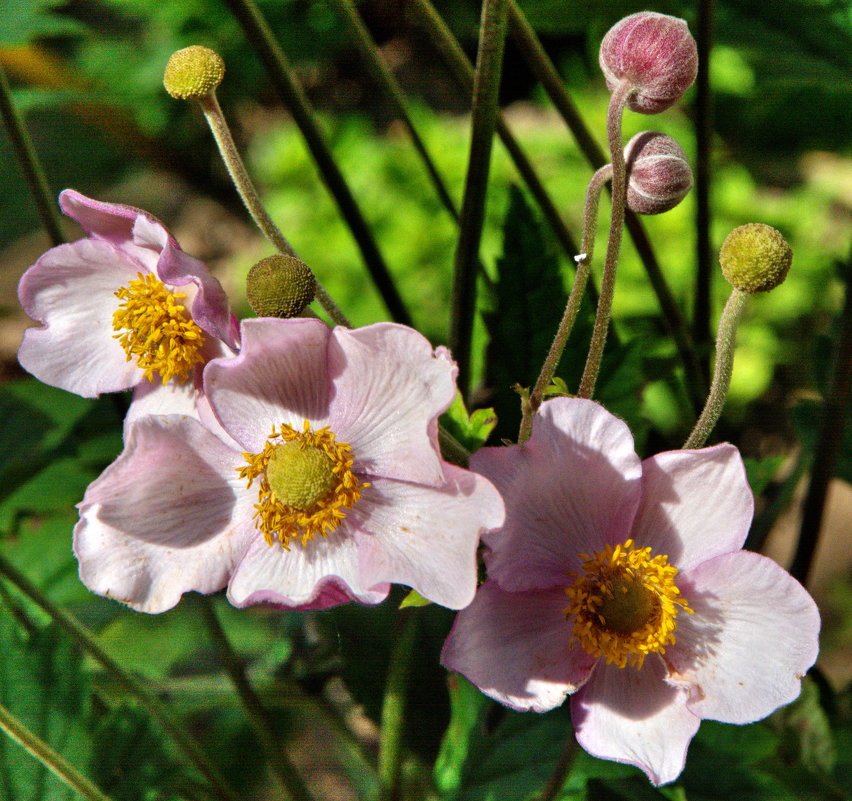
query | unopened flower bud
(755,258)
(655,53)
(658,174)
(194,72)
(280,286)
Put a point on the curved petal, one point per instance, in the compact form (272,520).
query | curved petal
(752,638)
(570,489)
(426,537)
(389,388)
(280,376)
(695,504)
(633,716)
(210,306)
(168,516)
(116,224)
(515,647)
(323,573)
(71,290)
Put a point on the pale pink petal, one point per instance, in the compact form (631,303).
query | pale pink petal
(633,716)
(573,487)
(280,376)
(71,291)
(515,647)
(695,505)
(426,537)
(323,573)
(115,224)
(165,518)
(156,398)
(389,388)
(752,638)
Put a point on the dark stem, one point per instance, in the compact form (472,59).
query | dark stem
(256,712)
(703,139)
(284,81)
(560,772)
(486,88)
(29,162)
(828,446)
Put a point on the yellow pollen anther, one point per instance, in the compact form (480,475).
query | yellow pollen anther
(306,484)
(625,605)
(156,330)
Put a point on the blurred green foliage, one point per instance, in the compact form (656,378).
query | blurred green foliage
(87,76)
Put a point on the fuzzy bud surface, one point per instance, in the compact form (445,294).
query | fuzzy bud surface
(658,174)
(654,52)
(194,72)
(280,286)
(755,258)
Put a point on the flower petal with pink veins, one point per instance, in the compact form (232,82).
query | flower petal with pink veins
(71,291)
(633,716)
(515,647)
(324,573)
(571,488)
(168,516)
(426,537)
(752,638)
(280,376)
(390,387)
(695,505)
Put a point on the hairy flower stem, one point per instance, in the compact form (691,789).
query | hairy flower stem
(486,87)
(148,699)
(243,183)
(56,764)
(255,711)
(283,79)
(29,162)
(393,707)
(572,307)
(617,102)
(726,340)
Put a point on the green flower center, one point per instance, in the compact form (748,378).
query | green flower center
(299,475)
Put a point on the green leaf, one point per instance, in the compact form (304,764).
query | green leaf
(470,430)
(414,598)
(467,705)
(26,20)
(760,472)
(807,732)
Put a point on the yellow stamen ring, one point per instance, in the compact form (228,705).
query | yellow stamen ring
(305,484)
(625,605)
(156,330)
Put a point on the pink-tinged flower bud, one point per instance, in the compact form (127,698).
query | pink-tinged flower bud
(654,52)
(658,174)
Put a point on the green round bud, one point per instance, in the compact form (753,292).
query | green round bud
(755,258)
(194,72)
(280,286)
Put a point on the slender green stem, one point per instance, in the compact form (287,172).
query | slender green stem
(191,749)
(60,767)
(827,450)
(30,163)
(560,772)
(545,72)
(254,709)
(703,139)
(457,63)
(726,340)
(572,307)
(285,83)
(246,189)
(486,88)
(385,79)
(393,707)
(617,102)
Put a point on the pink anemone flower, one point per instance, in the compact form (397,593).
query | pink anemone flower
(319,482)
(122,305)
(622,583)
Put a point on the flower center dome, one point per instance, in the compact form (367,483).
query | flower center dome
(625,604)
(155,329)
(306,484)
